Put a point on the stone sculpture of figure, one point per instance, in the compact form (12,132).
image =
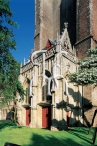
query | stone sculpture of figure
(54,75)
(35,53)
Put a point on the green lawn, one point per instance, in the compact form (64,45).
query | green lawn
(40,137)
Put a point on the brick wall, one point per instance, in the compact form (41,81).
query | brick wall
(46,23)
(83,40)
(37,16)
(86,26)
(43,23)
(37,42)
(82,47)
(56,18)
(83,19)
(94,23)
(37,25)
(94,18)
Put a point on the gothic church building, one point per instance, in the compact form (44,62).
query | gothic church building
(64,31)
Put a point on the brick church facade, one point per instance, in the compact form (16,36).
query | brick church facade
(64,31)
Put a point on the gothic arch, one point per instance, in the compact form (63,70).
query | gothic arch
(26,83)
(26,86)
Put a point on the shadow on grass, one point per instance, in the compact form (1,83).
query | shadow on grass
(8,123)
(80,133)
(39,140)
(79,129)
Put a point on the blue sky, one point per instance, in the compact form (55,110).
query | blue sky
(24,15)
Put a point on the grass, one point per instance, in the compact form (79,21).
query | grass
(25,136)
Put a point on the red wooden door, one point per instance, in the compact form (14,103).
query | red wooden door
(27,116)
(46,117)
(67,113)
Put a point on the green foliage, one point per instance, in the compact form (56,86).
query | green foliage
(87,73)
(9,67)
(9,81)
(6,34)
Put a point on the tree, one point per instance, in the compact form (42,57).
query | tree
(87,75)
(87,72)
(9,67)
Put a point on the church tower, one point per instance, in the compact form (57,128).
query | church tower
(44,22)
(80,15)
(49,20)
(86,26)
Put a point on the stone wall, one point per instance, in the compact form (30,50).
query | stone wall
(59,98)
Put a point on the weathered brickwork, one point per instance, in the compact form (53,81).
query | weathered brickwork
(83,19)
(43,23)
(94,19)
(56,18)
(86,27)
(82,47)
